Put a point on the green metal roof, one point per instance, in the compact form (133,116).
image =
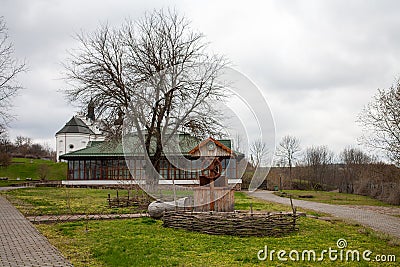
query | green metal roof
(226,142)
(102,149)
(93,143)
(132,148)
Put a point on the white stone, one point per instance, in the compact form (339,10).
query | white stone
(157,208)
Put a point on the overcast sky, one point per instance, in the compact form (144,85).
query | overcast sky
(317,62)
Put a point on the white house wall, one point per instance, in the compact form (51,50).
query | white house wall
(127,182)
(76,140)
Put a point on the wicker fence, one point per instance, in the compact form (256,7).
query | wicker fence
(140,200)
(82,217)
(232,223)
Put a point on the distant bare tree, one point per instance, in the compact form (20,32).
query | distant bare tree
(354,156)
(318,159)
(22,145)
(23,141)
(157,70)
(259,153)
(381,122)
(5,159)
(354,160)
(37,150)
(5,145)
(238,143)
(9,69)
(287,150)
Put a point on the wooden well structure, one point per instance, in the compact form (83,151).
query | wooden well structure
(212,198)
(213,194)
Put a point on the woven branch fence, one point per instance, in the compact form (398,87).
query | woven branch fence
(140,200)
(82,217)
(232,223)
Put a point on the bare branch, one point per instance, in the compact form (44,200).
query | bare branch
(9,70)
(156,69)
(259,153)
(381,122)
(318,159)
(288,150)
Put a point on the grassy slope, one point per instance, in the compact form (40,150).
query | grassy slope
(23,168)
(335,198)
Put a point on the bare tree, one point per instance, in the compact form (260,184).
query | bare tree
(354,161)
(22,145)
(354,156)
(9,69)
(5,143)
(21,141)
(318,159)
(381,122)
(156,70)
(259,156)
(5,147)
(259,153)
(287,150)
(238,143)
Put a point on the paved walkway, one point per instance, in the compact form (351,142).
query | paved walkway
(379,222)
(21,244)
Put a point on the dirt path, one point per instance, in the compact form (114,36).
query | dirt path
(367,217)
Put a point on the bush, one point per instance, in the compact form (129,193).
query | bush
(5,159)
(43,171)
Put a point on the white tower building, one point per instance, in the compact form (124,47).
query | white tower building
(76,134)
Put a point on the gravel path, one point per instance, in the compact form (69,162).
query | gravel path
(377,221)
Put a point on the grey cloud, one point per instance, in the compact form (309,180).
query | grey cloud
(318,62)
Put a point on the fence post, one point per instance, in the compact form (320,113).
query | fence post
(294,212)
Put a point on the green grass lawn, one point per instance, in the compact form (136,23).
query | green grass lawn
(29,168)
(144,242)
(243,201)
(12,182)
(52,200)
(333,198)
